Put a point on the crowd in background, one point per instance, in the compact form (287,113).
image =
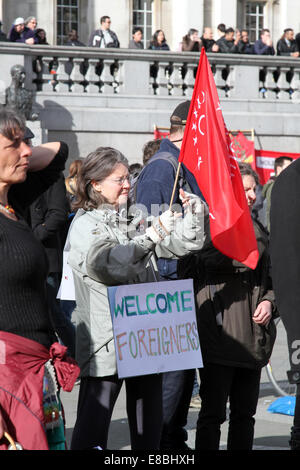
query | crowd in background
(228,41)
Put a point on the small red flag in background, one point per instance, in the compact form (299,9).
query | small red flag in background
(160,133)
(243,149)
(206,153)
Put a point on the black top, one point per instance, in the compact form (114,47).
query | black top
(284,250)
(24,266)
(49,222)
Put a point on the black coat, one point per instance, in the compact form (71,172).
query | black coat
(49,221)
(285,253)
(286,50)
(227,295)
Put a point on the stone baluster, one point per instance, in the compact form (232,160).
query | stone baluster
(106,77)
(92,77)
(153,69)
(62,76)
(76,76)
(176,79)
(270,83)
(219,81)
(283,83)
(295,84)
(162,79)
(117,76)
(189,80)
(48,78)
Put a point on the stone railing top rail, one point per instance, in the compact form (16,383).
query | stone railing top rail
(147,55)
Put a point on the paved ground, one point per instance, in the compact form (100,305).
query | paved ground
(271,430)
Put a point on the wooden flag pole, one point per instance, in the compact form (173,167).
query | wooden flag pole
(175,184)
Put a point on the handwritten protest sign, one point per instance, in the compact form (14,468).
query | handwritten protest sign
(154,327)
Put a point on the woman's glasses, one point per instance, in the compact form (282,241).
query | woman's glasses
(120,181)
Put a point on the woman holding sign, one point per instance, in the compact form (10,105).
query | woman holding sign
(105,252)
(236,306)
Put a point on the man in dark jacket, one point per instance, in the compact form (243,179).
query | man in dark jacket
(264,45)
(287,45)
(104,37)
(285,261)
(208,41)
(154,189)
(227,44)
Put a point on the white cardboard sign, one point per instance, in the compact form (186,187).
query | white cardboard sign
(155,327)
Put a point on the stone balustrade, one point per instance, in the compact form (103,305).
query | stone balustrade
(158,73)
(90,97)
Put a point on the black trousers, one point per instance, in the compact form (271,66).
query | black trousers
(97,397)
(295,430)
(219,383)
(177,393)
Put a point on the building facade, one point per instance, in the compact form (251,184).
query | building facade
(174,17)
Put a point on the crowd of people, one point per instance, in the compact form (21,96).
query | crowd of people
(48,343)
(41,212)
(228,41)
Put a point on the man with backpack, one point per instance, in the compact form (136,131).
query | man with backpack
(154,190)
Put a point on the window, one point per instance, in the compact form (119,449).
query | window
(254,19)
(142,17)
(67,19)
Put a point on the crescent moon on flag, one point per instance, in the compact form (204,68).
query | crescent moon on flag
(199,124)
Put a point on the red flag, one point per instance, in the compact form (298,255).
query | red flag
(265,160)
(243,149)
(160,134)
(206,153)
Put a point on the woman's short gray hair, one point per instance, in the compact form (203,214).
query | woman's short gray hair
(97,166)
(29,19)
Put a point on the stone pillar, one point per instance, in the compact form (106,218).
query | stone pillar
(245,82)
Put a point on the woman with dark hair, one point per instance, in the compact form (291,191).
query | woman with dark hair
(41,36)
(158,41)
(33,365)
(191,42)
(104,254)
(235,311)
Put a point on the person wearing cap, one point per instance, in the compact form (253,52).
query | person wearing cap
(17,28)
(21,33)
(155,187)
